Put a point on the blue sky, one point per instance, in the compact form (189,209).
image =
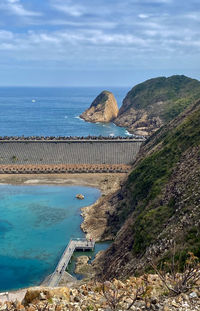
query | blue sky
(97,42)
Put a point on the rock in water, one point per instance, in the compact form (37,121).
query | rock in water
(103,109)
(80,196)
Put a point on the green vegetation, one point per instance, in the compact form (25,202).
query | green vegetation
(148,180)
(101,98)
(189,243)
(14,158)
(176,93)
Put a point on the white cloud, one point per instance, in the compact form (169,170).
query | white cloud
(195,16)
(6,35)
(157,1)
(118,32)
(68,8)
(7,47)
(15,7)
(143,16)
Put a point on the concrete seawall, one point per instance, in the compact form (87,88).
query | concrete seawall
(67,155)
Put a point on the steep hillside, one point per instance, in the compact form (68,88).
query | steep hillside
(154,102)
(160,200)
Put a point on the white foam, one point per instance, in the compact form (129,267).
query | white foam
(77,117)
(32,181)
(128,134)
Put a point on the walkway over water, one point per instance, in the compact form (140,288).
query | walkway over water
(74,244)
(25,156)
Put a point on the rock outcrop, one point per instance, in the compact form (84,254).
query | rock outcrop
(103,109)
(158,205)
(83,267)
(151,104)
(138,294)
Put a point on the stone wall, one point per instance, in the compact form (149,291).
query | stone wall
(63,168)
(68,152)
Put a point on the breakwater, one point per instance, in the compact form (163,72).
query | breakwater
(61,154)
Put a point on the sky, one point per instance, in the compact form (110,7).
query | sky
(97,42)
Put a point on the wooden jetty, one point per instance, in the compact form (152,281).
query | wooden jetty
(74,244)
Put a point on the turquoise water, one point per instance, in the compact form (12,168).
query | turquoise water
(36,223)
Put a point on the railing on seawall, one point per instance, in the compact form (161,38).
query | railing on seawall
(71,138)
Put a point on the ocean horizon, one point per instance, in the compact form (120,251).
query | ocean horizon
(45,111)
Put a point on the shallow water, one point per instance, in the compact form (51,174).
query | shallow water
(36,223)
(100,246)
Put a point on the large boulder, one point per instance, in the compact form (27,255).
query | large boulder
(103,109)
(37,294)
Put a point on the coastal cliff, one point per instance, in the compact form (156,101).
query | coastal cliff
(103,109)
(151,104)
(157,210)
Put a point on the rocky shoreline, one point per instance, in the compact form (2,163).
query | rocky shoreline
(107,183)
(95,216)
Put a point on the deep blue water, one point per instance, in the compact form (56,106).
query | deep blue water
(36,223)
(55,112)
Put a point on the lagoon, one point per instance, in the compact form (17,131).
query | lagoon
(36,223)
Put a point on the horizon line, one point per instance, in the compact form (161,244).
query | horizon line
(64,86)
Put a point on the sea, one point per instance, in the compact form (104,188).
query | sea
(37,221)
(53,112)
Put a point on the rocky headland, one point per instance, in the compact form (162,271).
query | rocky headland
(151,104)
(147,106)
(103,109)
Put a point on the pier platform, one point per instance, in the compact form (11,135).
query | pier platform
(74,244)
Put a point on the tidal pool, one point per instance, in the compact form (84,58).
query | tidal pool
(36,223)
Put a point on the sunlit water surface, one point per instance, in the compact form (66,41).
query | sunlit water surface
(36,223)
(52,111)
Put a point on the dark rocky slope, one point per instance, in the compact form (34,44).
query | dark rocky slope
(154,102)
(159,203)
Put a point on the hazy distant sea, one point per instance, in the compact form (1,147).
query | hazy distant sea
(52,111)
